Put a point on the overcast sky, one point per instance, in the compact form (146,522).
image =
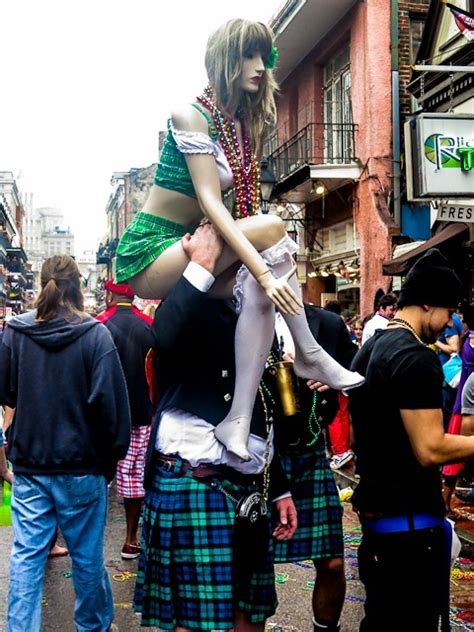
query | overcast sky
(86,86)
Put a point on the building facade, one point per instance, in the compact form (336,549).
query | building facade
(45,235)
(16,281)
(336,151)
(439,140)
(130,190)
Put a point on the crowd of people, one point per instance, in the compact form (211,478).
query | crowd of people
(214,417)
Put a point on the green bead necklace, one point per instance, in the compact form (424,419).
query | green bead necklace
(314,426)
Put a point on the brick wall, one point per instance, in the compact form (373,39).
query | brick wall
(408,14)
(138,183)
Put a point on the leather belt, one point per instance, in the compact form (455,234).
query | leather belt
(177,465)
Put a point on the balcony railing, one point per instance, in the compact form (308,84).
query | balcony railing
(4,241)
(106,252)
(316,143)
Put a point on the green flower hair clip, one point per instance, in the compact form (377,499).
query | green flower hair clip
(272,60)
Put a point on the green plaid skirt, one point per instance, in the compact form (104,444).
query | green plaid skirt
(143,241)
(319,533)
(185,573)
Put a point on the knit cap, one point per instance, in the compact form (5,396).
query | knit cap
(431,281)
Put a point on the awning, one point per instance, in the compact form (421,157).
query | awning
(400,265)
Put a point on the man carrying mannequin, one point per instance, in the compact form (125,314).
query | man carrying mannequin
(189,576)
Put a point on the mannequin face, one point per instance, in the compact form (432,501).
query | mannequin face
(252,72)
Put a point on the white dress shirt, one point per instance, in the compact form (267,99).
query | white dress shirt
(376,322)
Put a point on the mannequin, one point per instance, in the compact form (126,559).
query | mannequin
(220,137)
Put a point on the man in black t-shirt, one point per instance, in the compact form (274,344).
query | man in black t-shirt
(399,498)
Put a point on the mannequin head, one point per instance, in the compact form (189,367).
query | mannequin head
(241,46)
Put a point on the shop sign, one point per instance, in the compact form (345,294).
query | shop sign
(452,212)
(440,155)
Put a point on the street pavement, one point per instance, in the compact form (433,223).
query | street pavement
(294,584)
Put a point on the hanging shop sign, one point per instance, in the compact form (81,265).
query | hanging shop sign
(440,156)
(450,211)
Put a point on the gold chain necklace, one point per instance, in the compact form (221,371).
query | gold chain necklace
(266,456)
(404,324)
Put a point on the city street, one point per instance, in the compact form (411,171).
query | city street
(294,585)
(192,194)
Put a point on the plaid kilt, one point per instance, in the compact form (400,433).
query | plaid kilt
(131,470)
(319,532)
(185,570)
(143,241)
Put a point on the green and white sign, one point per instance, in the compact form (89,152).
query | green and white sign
(442,155)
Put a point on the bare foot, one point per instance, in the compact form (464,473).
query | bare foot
(234,434)
(58,551)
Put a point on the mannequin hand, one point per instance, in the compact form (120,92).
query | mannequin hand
(204,246)
(280,292)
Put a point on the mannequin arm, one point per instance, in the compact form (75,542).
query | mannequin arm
(203,171)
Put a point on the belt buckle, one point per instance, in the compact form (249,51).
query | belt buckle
(167,465)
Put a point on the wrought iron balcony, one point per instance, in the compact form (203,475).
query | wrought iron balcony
(314,144)
(106,253)
(4,241)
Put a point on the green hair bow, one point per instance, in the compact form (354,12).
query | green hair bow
(272,60)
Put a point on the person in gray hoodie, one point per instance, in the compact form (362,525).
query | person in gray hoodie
(60,370)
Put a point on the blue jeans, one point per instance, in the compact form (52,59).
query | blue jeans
(78,505)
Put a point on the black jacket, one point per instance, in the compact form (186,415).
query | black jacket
(132,336)
(66,383)
(194,339)
(331,333)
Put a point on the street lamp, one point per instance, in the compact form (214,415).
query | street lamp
(267,182)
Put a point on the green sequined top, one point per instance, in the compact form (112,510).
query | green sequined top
(172,171)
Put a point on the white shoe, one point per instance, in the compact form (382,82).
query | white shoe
(339,460)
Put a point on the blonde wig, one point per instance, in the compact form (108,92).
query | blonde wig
(226,50)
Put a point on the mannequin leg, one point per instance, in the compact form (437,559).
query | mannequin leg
(156,281)
(312,362)
(253,343)
(253,340)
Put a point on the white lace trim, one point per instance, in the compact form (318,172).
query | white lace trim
(200,143)
(278,253)
(194,142)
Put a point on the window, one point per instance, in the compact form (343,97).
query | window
(338,108)
(417,23)
(339,238)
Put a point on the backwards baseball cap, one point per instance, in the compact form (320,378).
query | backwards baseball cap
(119,288)
(431,281)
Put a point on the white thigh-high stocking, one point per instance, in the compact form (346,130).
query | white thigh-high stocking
(253,340)
(311,361)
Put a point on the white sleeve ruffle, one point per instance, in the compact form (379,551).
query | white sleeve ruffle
(194,142)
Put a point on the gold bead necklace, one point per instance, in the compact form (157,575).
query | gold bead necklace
(404,324)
